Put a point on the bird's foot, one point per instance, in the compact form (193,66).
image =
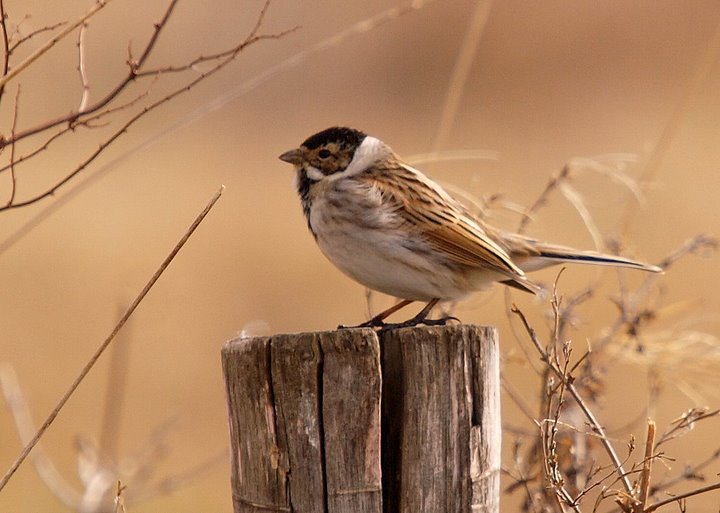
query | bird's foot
(417,321)
(378,322)
(375,322)
(386,326)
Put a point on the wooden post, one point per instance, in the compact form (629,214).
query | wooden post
(342,422)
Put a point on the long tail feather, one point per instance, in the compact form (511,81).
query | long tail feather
(552,255)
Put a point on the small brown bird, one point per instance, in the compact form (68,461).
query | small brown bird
(394,230)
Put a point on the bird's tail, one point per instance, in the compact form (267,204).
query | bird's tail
(550,254)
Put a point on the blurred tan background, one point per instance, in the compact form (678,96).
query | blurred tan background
(549,81)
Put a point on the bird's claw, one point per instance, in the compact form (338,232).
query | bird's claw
(381,326)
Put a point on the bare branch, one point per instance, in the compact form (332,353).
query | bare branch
(250,39)
(99,4)
(133,65)
(101,349)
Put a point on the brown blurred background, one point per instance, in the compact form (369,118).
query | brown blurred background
(549,81)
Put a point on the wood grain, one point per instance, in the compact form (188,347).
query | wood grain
(328,422)
(435,395)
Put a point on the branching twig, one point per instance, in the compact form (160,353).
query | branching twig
(548,435)
(99,4)
(632,315)
(581,403)
(252,38)
(101,349)
(24,39)
(685,423)
(134,66)
(52,190)
(89,122)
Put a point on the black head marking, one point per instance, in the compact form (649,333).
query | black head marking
(344,136)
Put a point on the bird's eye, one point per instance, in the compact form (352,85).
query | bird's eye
(323,154)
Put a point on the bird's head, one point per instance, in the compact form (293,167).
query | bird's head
(335,152)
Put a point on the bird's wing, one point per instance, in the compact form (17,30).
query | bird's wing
(443,222)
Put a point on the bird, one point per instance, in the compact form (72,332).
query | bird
(391,228)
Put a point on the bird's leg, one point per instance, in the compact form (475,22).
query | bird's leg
(378,320)
(421,318)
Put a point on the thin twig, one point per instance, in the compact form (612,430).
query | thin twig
(552,184)
(690,472)
(13,178)
(632,316)
(581,403)
(685,423)
(20,40)
(85,98)
(252,37)
(101,349)
(100,4)
(6,44)
(90,122)
(682,496)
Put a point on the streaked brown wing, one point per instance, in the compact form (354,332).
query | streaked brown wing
(445,223)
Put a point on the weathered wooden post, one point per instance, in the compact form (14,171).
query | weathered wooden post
(344,422)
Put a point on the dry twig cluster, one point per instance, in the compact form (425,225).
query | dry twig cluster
(562,468)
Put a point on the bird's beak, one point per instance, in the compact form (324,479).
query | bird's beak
(292,156)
